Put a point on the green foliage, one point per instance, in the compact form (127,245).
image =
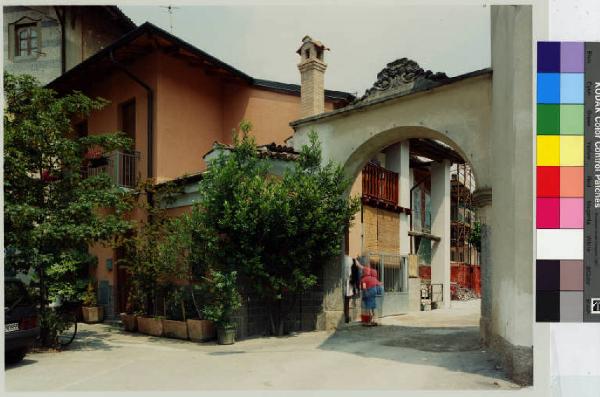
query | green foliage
(51,210)
(89,298)
(223,296)
(277,233)
(151,249)
(53,323)
(475,237)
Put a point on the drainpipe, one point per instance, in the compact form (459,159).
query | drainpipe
(63,38)
(149,122)
(149,112)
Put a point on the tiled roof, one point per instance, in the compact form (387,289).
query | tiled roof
(101,61)
(272,151)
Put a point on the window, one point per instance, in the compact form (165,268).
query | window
(81,129)
(27,40)
(127,116)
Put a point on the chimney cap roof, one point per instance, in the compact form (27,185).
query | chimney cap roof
(316,43)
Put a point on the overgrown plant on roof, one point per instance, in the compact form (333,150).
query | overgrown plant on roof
(51,209)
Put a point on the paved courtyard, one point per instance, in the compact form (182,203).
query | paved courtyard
(424,350)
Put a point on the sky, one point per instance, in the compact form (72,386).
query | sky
(262,40)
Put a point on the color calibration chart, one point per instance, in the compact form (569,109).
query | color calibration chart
(568,182)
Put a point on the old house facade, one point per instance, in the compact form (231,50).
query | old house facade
(175,101)
(46,41)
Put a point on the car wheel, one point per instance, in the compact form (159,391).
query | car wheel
(15,356)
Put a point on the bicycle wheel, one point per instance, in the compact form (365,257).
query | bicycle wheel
(66,337)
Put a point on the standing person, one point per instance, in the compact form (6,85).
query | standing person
(347,283)
(369,286)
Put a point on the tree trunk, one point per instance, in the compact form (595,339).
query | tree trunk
(198,312)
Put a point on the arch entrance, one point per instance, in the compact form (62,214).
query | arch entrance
(483,118)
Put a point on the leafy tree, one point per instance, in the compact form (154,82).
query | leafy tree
(151,250)
(278,233)
(475,237)
(51,209)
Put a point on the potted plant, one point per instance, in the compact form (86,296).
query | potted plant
(201,330)
(174,324)
(132,310)
(224,299)
(152,326)
(92,313)
(96,157)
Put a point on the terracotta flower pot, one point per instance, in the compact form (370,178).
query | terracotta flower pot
(175,329)
(92,314)
(150,326)
(201,330)
(129,322)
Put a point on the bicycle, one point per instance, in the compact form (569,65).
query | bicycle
(66,330)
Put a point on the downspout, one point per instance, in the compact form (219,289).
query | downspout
(149,123)
(149,112)
(63,38)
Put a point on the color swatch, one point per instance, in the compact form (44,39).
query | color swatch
(560,182)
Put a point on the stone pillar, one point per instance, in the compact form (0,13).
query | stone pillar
(440,226)
(332,314)
(482,201)
(511,300)
(397,159)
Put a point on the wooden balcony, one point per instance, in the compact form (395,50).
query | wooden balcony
(379,185)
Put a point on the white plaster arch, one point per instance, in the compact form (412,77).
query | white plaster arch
(458,114)
(488,120)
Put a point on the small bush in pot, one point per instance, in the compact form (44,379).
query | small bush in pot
(92,313)
(132,309)
(174,323)
(224,299)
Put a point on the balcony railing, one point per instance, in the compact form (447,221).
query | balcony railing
(380,184)
(122,167)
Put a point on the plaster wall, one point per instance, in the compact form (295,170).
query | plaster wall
(510,277)
(355,234)
(397,159)
(189,117)
(440,226)
(269,112)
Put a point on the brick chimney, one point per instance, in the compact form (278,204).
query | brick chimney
(312,75)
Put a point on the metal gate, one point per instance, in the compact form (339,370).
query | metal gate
(392,270)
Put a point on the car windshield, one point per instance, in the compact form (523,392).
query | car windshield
(14,294)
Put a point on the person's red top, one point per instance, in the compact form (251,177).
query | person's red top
(369,278)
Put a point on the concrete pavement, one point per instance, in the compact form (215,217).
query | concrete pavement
(425,350)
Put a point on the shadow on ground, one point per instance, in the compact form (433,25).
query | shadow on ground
(457,349)
(23,363)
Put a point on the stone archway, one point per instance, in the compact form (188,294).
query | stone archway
(488,120)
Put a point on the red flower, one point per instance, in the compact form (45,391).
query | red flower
(94,152)
(48,177)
